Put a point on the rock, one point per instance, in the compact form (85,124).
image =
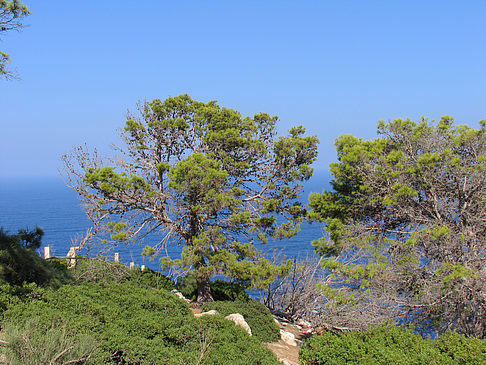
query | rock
(239,321)
(179,294)
(288,338)
(212,312)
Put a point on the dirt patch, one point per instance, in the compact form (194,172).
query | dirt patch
(285,352)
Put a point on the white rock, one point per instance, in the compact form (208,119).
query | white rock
(179,294)
(288,338)
(212,312)
(239,321)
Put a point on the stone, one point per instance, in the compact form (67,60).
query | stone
(288,338)
(239,320)
(212,312)
(179,294)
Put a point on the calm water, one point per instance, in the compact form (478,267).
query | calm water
(48,203)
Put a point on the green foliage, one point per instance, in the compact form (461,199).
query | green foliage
(30,344)
(103,271)
(20,263)
(225,291)
(381,345)
(256,315)
(10,295)
(391,345)
(187,286)
(221,290)
(461,349)
(405,225)
(208,176)
(135,326)
(151,279)
(11,14)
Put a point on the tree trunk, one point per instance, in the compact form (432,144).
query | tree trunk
(204,291)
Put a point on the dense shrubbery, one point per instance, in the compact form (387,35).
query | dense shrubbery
(103,271)
(256,315)
(135,326)
(220,289)
(11,295)
(30,344)
(391,345)
(20,263)
(462,350)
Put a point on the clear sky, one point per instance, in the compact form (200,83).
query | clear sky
(335,67)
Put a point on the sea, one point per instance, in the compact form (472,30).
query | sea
(48,203)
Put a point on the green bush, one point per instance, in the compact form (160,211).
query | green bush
(28,345)
(99,270)
(11,295)
(381,345)
(256,315)
(20,263)
(104,271)
(220,289)
(392,345)
(461,349)
(223,290)
(188,287)
(139,326)
(151,279)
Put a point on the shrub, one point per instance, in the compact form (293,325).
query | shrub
(11,295)
(188,287)
(100,270)
(381,345)
(104,271)
(220,289)
(223,290)
(20,263)
(151,279)
(28,345)
(256,315)
(462,349)
(140,326)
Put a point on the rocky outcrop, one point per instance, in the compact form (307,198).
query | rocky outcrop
(179,294)
(212,312)
(288,338)
(239,321)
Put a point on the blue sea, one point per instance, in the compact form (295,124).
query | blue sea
(50,204)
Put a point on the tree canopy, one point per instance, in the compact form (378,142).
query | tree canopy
(406,225)
(11,14)
(203,176)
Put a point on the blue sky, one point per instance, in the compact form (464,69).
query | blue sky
(335,67)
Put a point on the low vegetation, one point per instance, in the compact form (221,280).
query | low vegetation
(107,313)
(391,345)
(129,324)
(256,315)
(221,290)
